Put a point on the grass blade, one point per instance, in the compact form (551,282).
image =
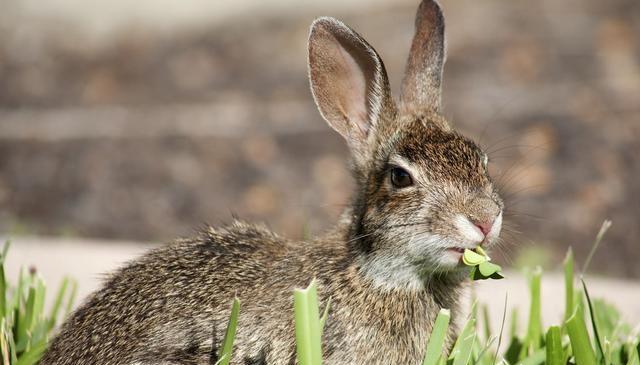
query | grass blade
(568,284)
(464,344)
(600,352)
(534,329)
(230,334)
(504,319)
(536,358)
(325,314)
(57,304)
(32,356)
(513,324)
(580,342)
(307,325)
(435,346)
(466,348)
(71,298)
(555,354)
(486,322)
(603,229)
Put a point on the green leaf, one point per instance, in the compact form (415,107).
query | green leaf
(580,342)
(555,353)
(230,334)
(435,346)
(471,258)
(487,268)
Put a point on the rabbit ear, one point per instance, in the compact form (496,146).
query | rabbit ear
(422,84)
(348,80)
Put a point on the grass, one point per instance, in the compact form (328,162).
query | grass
(590,333)
(25,325)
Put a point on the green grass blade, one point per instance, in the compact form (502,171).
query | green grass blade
(465,350)
(72,297)
(3,292)
(486,322)
(5,351)
(57,304)
(435,346)
(38,307)
(536,358)
(512,355)
(599,348)
(568,284)
(27,319)
(513,324)
(555,353)
(307,325)
(534,329)
(325,314)
(32,356)
(465,340)
(580,342)
(504,319)
(484,356)
(603,229)
(633,354)
(230,334)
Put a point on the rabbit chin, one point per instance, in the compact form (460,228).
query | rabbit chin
(426,257)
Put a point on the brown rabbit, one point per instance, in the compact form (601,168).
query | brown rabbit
(423,194)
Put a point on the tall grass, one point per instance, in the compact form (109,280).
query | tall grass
(25,325)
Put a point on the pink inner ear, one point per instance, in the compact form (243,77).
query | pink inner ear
(354,96)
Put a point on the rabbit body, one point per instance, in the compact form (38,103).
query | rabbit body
(170,306)
(422,196)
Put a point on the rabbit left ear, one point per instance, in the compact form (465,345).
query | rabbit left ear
(348,80)
(422,84)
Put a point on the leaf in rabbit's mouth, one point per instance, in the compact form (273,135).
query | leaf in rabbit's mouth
(481,266)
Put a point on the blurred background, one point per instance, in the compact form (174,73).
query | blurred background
(142,121)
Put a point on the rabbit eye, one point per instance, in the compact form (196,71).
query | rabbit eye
(400,178)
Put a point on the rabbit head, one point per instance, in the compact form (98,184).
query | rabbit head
(423,190)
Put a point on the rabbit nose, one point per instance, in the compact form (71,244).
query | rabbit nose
(485,227)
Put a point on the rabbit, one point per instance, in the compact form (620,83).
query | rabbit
(422,195)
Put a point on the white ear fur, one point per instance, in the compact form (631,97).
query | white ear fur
(348,80)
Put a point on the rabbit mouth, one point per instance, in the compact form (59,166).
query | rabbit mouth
(459,250)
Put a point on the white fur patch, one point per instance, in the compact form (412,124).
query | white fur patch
(467,229)
(389,272)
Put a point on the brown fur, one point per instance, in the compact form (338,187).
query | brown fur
(387,265)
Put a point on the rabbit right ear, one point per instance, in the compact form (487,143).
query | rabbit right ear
(348,81)
(422,84)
